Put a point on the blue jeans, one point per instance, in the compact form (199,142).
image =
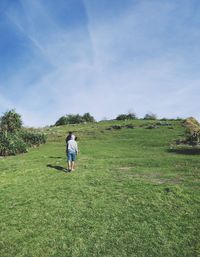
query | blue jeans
(71,155)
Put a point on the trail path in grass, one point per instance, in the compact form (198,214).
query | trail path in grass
(129,196)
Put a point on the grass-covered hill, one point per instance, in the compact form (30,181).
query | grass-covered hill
(130,196)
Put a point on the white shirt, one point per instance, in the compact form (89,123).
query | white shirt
(72,145)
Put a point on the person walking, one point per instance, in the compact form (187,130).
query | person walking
(69,136)
(72,151)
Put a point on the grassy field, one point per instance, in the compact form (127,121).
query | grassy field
(129,196)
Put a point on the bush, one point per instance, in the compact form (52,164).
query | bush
(87,117)
(14,140)
(33,139)
(150,116)
(74,119)
(129,116)
(192,131)
(10,121)
(190,144)
(11,144)
(61,121)
(121,117)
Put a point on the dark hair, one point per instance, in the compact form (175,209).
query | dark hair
(76,138)
(69,136)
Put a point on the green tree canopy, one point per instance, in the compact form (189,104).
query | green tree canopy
(88,117)
(129,116)
(150,116)
(74,119)
(11,121)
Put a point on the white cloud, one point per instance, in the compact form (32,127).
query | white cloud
(114,64)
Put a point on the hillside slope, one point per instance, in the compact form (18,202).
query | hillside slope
(129,196)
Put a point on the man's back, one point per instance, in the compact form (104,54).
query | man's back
(72,145)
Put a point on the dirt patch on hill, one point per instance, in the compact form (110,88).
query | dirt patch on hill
(157,178)
(153,177)
(125,168)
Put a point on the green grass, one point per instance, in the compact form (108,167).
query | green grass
(129,196)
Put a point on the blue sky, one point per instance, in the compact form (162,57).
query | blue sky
(103,57)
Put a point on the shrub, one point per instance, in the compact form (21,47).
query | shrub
(33,139)
(129,116)
(192,131)
(121,117)
(14,140)
(74,119)
(150,116)
(87,117)
(11,121)
(61,121)
(11,144)
(190,144)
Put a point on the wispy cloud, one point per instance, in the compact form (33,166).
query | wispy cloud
(104,60)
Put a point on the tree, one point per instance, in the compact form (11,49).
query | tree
(61,121)
(150,116)
(11,121)
(13,138)
(88,117)
(74,119)
(129,116)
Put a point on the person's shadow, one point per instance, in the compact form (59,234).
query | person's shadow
(60,168)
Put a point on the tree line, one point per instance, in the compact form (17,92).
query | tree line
(14,138)
(87,117)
